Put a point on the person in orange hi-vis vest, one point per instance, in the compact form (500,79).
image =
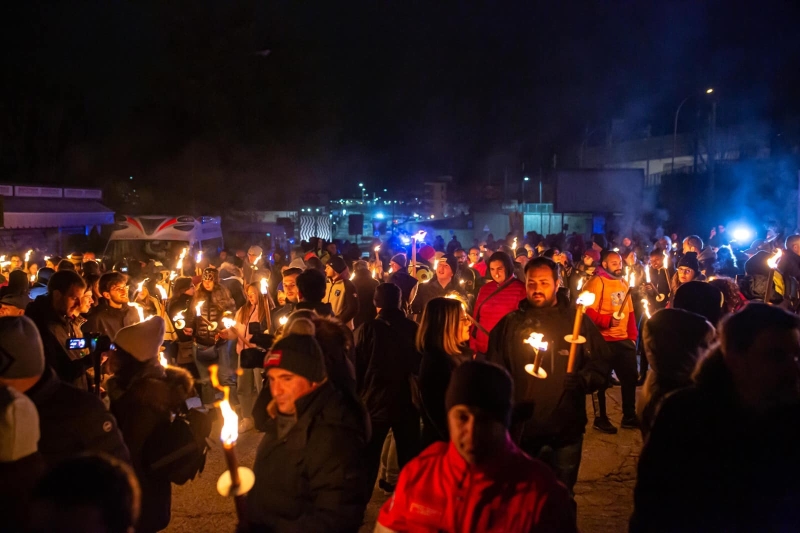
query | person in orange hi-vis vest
(613,315)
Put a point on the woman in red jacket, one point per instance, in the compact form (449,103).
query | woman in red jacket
(496,299)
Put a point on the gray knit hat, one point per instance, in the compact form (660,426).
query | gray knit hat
(21,350)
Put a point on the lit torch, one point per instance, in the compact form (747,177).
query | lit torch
(255,263)
(199,313)
(772,262)
(162,359)
(580,282)
(619,314)
(27,258)
(418,236)
(377,249)
(237,480)
(536,370)
(179,320)
(162,292)
(263,286)
(585,299)
(283,320)
(181,258)
(646,307)
(139,309)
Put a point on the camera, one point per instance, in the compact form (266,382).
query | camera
(259,337)
(95,342)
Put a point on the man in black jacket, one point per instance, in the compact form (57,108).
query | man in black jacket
(113,312)
(386,361)
(722,454)
(444,282)
(365,286)
(309,467)
(549,417)
(54,314)
(400,277)
(311,286)
(71,421)
(291,295)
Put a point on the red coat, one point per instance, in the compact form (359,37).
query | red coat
(439,491)
(490,313)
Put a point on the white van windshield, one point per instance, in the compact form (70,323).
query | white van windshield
(143,250)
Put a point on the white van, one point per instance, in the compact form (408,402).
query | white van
(162,238)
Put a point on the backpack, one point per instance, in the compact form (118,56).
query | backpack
(177,450)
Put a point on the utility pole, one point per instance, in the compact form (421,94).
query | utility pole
(712,153)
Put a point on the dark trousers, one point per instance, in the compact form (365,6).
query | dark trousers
(623,362)
(404,424)
(563,459)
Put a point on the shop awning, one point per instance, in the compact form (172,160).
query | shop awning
(53,213)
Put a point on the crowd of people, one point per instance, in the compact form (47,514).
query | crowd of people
(410,370)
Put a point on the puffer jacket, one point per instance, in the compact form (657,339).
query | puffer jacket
(672,357)
(343,297)
(494,302)
(510,492)
(312,479)
(543,408)
(73,421)
(215,304)
(143,407)
(107,320)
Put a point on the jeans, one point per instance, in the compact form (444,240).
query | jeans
(389,470)
(212,355)
(248,388)
(623,362)
(563,459)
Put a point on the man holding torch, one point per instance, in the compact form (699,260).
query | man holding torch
(612,313)
(549,417)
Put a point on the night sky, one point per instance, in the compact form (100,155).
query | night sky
(177,94)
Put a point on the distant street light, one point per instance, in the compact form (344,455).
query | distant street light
(710,90)
(526,178)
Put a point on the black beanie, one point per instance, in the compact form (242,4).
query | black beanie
(337,264)
(400,259)
(452,262)
(689,260)
(484,385)
(757,265)
(387,296)
(299,353)
(701,298)
(181,285)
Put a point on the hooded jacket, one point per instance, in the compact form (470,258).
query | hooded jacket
(55,330)
(672,357)
(365,286)
(510,492)
(406,282)
(711,465)
(143,407)
(215,304)
(430,290)
(543,408)
(494,301)
(343,297)
(609,293)
(72,421)
(312,479)
(107,320)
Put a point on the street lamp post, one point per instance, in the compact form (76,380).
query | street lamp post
(675,128)
(526,178)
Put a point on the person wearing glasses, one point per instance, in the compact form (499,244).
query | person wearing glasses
(113,312)
(210,304)
(442,339)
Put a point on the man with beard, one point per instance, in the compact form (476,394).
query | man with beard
(444,282)
(549,417)
(113,312)
(617,325)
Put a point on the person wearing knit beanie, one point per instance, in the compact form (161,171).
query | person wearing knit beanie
(400,262)
(427,253)
(143,340)
(337,264)
(295,366)
(21,351)
(484,386)
(689,260)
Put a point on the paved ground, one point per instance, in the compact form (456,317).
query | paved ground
(604,491)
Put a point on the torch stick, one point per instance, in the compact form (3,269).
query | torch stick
(584,300)
(620,314)
(236,481)
(536,370)
(27,259)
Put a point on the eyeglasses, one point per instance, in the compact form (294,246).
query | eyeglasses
(685,270)
(120,288)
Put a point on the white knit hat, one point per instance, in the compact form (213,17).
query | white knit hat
(19,425)
(142,340)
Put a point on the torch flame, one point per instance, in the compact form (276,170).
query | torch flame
(28,255)
(647,274)
(139,309)
(230,422)
(773,261)
(179,320)
(535,340)
(228,322)
(198,309)
(632,279)
(263,285)
(580,283)
(666,260)
(377,249)
(257,260)
(173,275)
(283,320)
(162,359)
(162,292)
(646,306)
(420,235)
(141,284)
(199,256)
(585,299)
(352,276)
(33,278)
(514,245)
